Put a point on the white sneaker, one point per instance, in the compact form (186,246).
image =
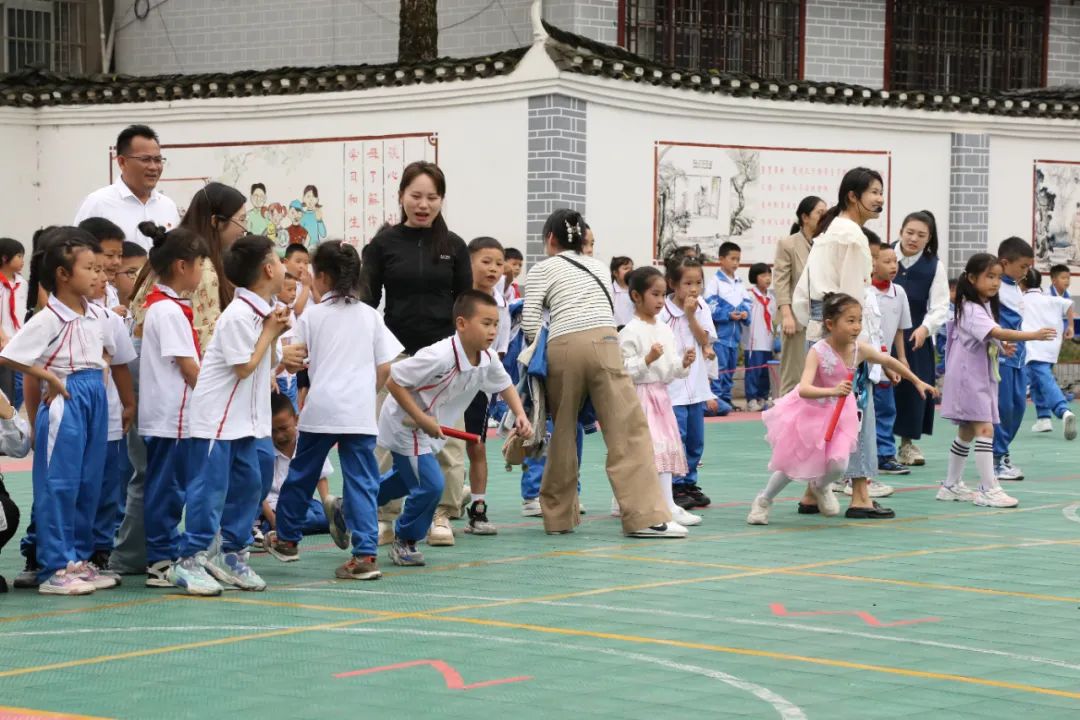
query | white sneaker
(1042,425)
(88,572)
(580,507)
(232,569)
(616,511)
(995,498)
(759,511)
(440,534)
(880,489)
(66,582)
(826,500)
(910,455)
(530,507)
(669,529)
(190,574)
(1009,472)
(685,517)
(957,493)
(1069,418)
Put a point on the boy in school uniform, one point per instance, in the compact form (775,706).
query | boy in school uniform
(759,338)
(729,302)
(511,271)
(1042,310)
(892,303)
(297,260)
(286,381)
(12,310)
(111,239)
(1017,257)
(427,390)
(132,260)
(14,442)
(230,413)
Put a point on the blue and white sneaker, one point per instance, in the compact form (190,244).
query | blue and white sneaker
(190,574)
(405,553)
(232,569)
(335,518)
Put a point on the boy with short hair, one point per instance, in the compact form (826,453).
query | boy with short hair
(297,260)
(133,257)
(1060,276)
(895,314)
(729,302)
(487,269)
(111,239)
(286,381)
(426,390)
(759,339)
(1017,257)
(513,260)
(1046,311)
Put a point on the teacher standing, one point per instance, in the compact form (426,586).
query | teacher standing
(791,254)
(584,361)
(421,267)
(922,275)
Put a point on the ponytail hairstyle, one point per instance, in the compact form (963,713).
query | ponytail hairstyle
(568,228)
(340,262)
(59,247)
(856,180)
(440,233)
(639,280)
(33,280)
(926,218)
(977,264)
(803,211)
(834,305)
(170,246)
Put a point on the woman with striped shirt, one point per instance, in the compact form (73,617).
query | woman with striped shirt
(584,361)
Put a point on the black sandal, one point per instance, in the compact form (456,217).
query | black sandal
(871,513)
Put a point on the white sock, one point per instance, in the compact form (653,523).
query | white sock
(958,456)
(665,490)
(776,484)
(984,463)
(478,497)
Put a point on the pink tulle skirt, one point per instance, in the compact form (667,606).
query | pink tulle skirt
(667,443)
(795,428)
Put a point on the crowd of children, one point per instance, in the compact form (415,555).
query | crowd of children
(298,358)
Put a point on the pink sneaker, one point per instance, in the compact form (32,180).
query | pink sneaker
(66,582)
(88,572)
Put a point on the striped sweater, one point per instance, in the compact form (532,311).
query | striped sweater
(576,300)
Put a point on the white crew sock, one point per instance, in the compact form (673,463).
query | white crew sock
(665,490)
(958,455)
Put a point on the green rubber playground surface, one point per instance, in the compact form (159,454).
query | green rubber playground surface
(948,611)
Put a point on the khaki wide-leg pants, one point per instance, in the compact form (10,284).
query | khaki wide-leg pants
(792,361)
(451,462)
(589,363)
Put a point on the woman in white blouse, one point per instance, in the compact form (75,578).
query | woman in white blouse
(584,361)
(922,275)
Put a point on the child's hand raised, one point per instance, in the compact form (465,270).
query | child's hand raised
(689,305)
(843,389)
(277,321)
(689,358)
(654,353)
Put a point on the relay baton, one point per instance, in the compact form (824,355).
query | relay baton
(448,432)
(831,430)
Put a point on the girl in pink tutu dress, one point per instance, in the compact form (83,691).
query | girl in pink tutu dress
(796,425)
(652,361)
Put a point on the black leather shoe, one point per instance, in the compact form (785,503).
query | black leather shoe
(871,513)
(805,509)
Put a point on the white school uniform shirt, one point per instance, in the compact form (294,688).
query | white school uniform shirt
(112,296)
(693,388)
(346,342)
(286,338)
(124,354)
(1044,311)
(895,313)
(224,406)
(116,202)
(443,382)
(871,329)
(759,336)
(636,340)
(502,339)
(62,341)
(281,471)
(12,313)
(164,395)
(624,306)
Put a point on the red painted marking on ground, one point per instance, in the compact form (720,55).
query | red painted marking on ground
(22,465)
(15,713)
(451,677)
(779,610)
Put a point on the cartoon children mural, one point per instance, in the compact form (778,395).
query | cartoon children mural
(257,221)
(312,218)
(296,231)
(275,228)
(299,221)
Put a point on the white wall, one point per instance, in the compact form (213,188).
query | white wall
(1012,168)
(18,181)
(620,166)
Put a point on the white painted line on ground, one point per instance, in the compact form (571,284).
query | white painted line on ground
(1070,513)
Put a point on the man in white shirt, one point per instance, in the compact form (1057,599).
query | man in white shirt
(133,198)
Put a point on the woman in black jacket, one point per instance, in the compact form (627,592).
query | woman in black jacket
(421,267)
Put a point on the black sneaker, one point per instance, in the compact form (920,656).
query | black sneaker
(28,578)
(700,499)
(3,585)
(889,466)
(805,509)
(682,498)
(478,520)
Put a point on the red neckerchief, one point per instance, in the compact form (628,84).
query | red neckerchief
(11,301)
(157,295)
(882,285)
(764,300)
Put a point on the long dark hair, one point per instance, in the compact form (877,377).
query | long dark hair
(341,263)
(804,210)
(977,264)
(440,233)
(856,180)
(927,218)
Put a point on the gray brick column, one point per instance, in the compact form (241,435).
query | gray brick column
(556,171)
(1063,61)
(969,199)
(845,41)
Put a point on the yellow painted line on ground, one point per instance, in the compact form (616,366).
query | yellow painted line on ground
(827,662)
(31,714)
(81,610)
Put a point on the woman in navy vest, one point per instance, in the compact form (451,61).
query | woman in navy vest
(922,275)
